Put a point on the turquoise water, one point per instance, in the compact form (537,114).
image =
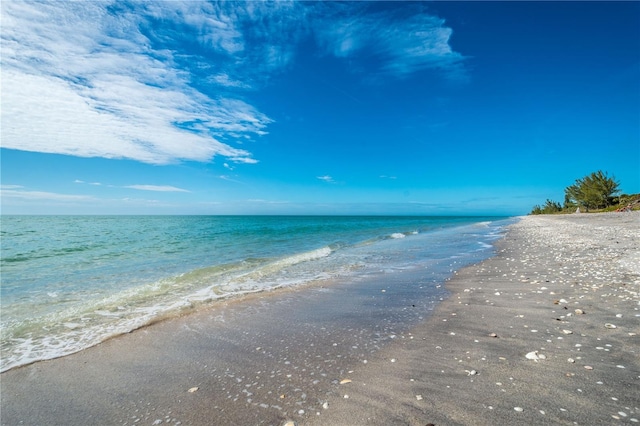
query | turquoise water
(70,282)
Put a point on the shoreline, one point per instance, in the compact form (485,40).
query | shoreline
(468,364)
(294,355)
(47,315)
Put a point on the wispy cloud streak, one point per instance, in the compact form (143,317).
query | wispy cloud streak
(156,188)
(42,195)
(326,178)
(402,41)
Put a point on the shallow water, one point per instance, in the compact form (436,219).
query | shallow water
(70,282)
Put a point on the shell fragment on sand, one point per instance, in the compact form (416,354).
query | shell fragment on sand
(535,356)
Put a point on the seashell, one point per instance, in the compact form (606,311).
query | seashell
(542,356)
(518,409)
(193,389)
(344,381)
(588,367)
(579,311)
(493,335)
(419,397)
(571,360)
(533,355)
(609,325)
(567,331)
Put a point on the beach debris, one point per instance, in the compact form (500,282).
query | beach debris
(193,389)
(345,381)
(609,325)
(518,409)
(419,397)
(471,372)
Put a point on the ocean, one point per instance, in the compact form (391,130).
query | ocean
(71,282)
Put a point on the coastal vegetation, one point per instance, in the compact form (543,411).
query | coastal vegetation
(594,192)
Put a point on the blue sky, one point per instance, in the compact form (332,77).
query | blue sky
(193,107)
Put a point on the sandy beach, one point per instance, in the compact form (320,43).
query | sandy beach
(545,332)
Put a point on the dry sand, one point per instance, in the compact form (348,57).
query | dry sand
(339,356)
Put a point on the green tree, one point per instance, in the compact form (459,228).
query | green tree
(593,191)
(548,208)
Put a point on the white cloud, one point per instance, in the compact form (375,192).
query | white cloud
(326,178)
(78,80)
(102,79)
(156,188)
(401,41)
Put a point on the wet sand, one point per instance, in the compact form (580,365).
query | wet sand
(382,351)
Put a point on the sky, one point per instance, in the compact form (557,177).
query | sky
(408,108)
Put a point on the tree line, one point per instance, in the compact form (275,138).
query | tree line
(594,191)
